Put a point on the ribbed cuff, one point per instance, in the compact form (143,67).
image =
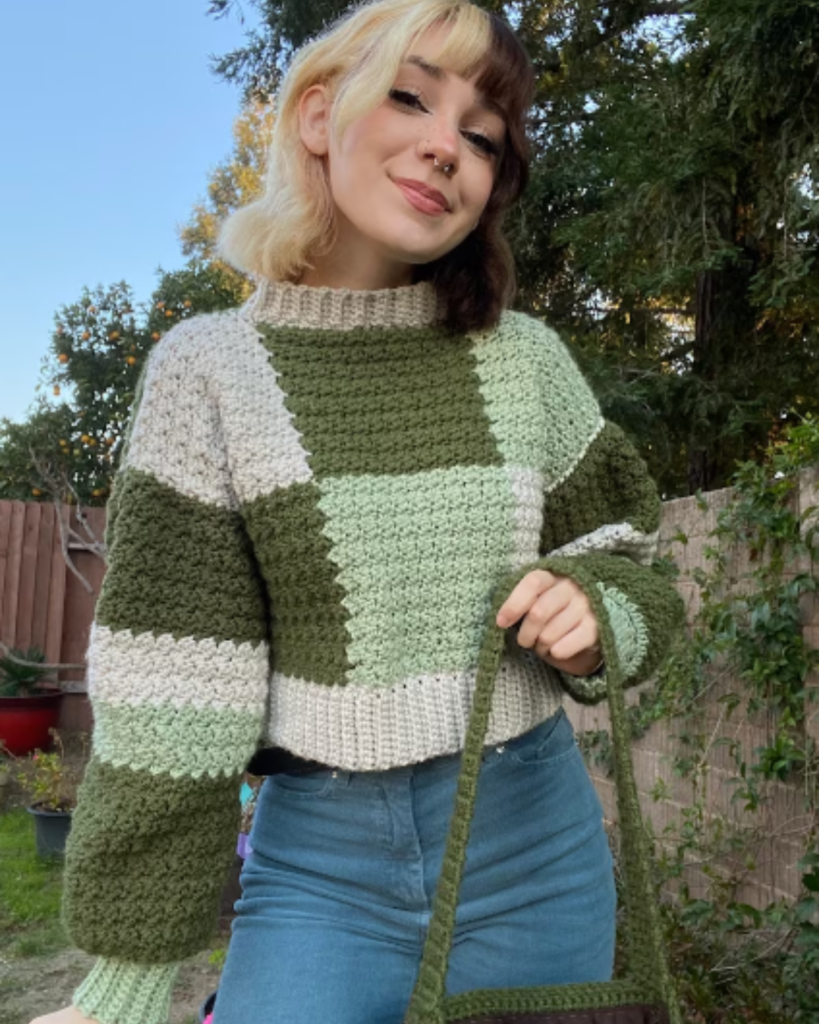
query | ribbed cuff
(116,992)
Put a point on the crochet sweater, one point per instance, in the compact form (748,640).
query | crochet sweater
(318,494)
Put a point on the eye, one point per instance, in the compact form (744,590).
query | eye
(482,142)
(406,99)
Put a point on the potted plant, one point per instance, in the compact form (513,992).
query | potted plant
(29,701)
(50,780)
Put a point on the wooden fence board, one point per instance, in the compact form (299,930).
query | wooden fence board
(8,627)
(56,594)
(42,578)
(28,574)
(5,551)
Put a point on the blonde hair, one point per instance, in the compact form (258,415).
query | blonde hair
(358,59)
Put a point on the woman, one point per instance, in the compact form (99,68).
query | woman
(320,493)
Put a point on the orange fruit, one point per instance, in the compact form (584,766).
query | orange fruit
(56,389)
(86,335)
(85,438)
(36,492)
(160,305)
(62,357)
(156,335)
(187,303)
(113,335)
(109,440)
(130,360)
(168,312)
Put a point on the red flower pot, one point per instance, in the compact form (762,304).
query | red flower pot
(25,721)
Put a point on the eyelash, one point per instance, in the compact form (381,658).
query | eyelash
(405,98)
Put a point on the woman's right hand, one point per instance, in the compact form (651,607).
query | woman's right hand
(68,1015)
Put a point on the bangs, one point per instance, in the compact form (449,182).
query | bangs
(466,46)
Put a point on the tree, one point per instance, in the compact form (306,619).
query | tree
(235,182)
(69,447)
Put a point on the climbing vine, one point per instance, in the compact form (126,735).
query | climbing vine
(744,660)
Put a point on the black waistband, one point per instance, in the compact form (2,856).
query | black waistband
(275,760)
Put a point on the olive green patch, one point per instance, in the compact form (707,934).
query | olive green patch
(179,566)
(611,485)
(382,401)
(130,890)
(309,638)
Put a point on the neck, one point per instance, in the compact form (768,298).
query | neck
(356,264)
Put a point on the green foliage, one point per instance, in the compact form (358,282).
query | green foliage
(69,448)
(22,680)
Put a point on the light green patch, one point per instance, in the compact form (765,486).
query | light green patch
(629,628)
(542,413)
(418,558)
(173,741)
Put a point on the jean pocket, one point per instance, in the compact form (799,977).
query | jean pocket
(548,743)
(314,782)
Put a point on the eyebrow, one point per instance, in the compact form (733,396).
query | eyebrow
(438,73)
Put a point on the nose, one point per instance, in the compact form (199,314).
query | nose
(440,147)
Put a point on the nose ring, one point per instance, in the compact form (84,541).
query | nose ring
(446,168)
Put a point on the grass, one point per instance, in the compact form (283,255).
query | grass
(30,892)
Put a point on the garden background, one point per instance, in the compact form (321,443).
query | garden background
(670,233)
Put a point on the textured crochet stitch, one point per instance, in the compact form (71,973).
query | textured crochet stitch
(319,494)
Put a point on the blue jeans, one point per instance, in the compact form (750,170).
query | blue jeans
(336,895)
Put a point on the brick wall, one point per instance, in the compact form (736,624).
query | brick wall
(768,859)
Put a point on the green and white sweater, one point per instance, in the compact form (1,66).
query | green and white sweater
(319,493)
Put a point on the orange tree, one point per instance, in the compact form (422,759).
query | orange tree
(69,446)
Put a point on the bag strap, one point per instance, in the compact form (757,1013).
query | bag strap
(646,960)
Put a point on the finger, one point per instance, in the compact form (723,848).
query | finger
(567,618)
(524,595)
(542,613)
(576,641)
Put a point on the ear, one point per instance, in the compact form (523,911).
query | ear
(315,107)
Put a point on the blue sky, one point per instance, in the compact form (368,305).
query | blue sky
(110,122)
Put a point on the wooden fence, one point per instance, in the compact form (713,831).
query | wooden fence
(43,603)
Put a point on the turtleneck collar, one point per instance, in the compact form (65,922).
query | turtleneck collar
(282,304)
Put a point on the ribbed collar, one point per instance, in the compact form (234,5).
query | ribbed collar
(282,304)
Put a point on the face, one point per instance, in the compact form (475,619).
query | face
(410,179)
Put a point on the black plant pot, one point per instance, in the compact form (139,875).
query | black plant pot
(207,1007)
(51,830)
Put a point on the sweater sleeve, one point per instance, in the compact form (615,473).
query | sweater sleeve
(600,528)
(178,677)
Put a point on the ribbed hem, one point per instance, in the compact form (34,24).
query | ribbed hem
(282,304)
(116,992)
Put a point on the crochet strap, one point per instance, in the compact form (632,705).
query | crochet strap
(647,969)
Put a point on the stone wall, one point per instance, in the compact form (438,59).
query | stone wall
(775,834)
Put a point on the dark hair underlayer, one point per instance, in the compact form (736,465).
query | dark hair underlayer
(477,279)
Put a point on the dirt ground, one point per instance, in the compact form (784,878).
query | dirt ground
(32,986)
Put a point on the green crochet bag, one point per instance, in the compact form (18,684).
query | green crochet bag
(645,994)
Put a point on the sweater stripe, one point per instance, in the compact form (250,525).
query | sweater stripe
(186,741)
(179,566)
(144,669)
(364,728)
(135,894)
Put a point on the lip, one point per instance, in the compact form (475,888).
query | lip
(422,197)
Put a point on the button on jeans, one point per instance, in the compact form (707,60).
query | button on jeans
(338,889)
